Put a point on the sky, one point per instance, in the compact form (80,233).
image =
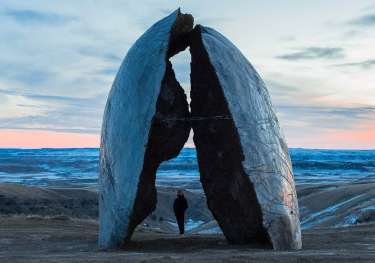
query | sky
(58,60)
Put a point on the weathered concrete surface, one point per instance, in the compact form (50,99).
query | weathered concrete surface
(126,127)
(230,194)
(265,159)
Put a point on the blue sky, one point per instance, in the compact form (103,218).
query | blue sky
(59,58)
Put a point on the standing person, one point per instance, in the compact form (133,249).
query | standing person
(179,206)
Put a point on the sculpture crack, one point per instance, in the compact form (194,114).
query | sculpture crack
(165,142)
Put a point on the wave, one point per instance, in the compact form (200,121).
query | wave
(79,167)
(335,165)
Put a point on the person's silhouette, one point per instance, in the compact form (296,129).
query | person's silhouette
(179,206)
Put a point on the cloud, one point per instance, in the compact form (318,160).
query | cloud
(59,59)
(366,20)
(100,54)
(80,117)
(314,53)
(305,112)
(295,91)
(108,72)
(25,74)
(318,126)
(299,119)
(362,112)
(365,65)
(281,89)
(288,38)
(368,7)
(54,113)
(30,17)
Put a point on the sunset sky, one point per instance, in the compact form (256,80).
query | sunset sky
(59,58)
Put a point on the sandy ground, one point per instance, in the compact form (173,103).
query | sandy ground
(60,225)
(35,239)
(328,205)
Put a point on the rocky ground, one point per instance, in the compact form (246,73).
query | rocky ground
(325,205)
(60,239)
(60,225)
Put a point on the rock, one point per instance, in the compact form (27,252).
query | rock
(243,158)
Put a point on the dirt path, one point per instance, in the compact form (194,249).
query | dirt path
(63,240)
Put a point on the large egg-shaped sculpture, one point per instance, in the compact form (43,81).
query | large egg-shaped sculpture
(243,159)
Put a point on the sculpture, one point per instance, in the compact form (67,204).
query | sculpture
(243,158)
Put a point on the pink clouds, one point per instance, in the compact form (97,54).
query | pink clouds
(359,137)
(46,139)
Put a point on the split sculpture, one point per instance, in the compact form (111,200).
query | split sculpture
(243,159)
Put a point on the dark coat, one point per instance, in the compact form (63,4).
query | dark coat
(180,205)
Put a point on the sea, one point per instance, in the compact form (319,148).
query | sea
(78,167)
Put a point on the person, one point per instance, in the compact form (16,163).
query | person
(179,206)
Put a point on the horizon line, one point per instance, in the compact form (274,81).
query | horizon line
(72,148)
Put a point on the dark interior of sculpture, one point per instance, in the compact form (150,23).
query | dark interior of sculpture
(230,194)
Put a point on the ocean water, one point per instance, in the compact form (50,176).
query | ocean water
(79,167)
